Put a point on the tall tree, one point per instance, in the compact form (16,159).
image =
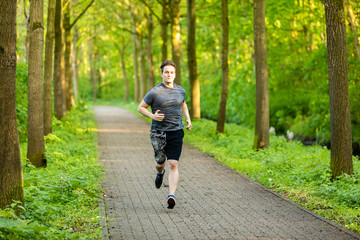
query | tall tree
(261,139)
(164,27)
(224,67)
(36,145)
(164,21)
(143,81)
(27,43)
(76,62)
(69,96)
(11,182)
(352,24)
(49,48)
(340,123)
(92,64)
(68,86)
(149,53)
(191,52)
(134,13)
(123,67)
(59,104)
(175,37)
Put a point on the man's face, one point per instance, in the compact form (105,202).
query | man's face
(168,75)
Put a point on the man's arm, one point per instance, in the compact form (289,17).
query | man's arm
(143,110)
(185,111)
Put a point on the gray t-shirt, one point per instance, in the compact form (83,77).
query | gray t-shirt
(169,102)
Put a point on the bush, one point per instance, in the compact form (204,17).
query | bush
(61,200)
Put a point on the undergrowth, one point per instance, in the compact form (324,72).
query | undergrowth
(61,200)
(289,168)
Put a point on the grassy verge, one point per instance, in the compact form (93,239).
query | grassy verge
(297,172)
(300,173)
(61,200)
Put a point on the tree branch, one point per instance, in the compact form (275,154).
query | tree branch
(151,10)
(83,12)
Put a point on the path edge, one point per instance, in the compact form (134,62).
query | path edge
(102,209)
(338,226)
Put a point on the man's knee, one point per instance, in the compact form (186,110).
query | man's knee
(173,164)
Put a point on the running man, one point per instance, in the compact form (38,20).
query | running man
(167,101)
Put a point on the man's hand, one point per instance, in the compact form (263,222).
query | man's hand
(189,125)
(158,116)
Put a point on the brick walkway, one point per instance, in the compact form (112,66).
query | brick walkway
(213,201)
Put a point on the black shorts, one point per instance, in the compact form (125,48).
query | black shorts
(167,144)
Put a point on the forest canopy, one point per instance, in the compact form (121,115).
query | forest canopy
(296,50)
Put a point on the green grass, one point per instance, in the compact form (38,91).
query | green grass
(61,200)
(300,173)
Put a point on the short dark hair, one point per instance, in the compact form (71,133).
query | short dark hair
(167,63)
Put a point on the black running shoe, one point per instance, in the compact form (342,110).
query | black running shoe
(159,179)
(171,201)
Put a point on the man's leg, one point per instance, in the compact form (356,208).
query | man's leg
(173,176)
(159,175)
(160,167)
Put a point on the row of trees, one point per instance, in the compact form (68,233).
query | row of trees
(141,21)
(121,22)
(40,79)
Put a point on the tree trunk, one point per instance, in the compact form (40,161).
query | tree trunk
(164,25)
(75,63)
(92,68)
(143,88)
(11,182)
(340,125)
(27,41)
(224,66)
(58,82)
(175,38)
(49,48)
(126,82)
(351,20)
(97,71)
(261,139)
(149,52)
(67,58)
(191,51)
(136,53)
(36,146)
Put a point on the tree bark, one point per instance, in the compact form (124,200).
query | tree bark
(143,88)
(191,51)
(27,43)
(97,70)
(340,123)
(11,182)
(58,82)
(75,63)
(133,11)
(123,67)
(69,97)
(224,66)
(48,72)
(261,139)
(149,53)
(36,145)
(124,71)
(356,42)
(164,25)
(92,67)
(175,38)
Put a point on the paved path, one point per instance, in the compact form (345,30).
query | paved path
(213,201)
